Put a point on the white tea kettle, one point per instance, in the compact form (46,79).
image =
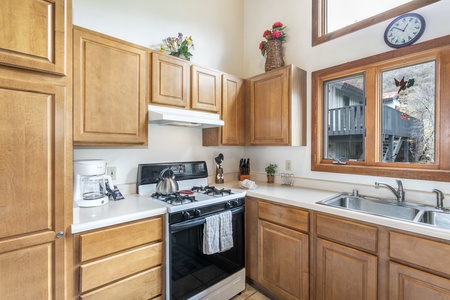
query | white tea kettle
(166,183)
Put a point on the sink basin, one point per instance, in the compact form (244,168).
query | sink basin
(436,218)
(376,207)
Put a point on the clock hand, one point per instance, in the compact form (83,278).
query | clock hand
(404,28)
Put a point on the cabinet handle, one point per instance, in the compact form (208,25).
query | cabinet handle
(59,235)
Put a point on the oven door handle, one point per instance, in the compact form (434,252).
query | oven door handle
(199,221)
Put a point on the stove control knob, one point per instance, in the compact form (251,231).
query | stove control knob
(228,205)
(197,212)
(186,215)
(235,203)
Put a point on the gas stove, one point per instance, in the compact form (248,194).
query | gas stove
(194,191)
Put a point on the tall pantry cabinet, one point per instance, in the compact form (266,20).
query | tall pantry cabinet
(35,149)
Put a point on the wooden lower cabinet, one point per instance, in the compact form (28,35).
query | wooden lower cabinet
(344,273)
(347,259)
(121,262)
(406,283)
(283,261)
(277,249)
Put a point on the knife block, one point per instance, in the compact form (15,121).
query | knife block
(243,176)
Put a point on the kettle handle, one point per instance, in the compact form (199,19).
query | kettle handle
(163,172)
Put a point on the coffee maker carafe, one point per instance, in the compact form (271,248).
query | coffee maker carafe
(91,184)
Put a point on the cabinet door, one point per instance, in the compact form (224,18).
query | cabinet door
(110,105)
(170,80)
(251,238)
(32,168)
(269,108)
(344,273)
(283,261)
(232,132)
(233,110)
(407,283)
(33,34)
(205,89)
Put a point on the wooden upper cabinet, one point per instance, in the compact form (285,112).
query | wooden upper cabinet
(233,110)
(205,89)
(32,171)
(110,105)
(278,107)
(33,35)
(170,80)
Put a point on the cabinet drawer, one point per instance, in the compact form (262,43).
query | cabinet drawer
(419,251)
(112,268)
(348,232)
(109,241)
(284,215)
(144,285)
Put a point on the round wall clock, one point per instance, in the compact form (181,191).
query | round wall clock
(404,30)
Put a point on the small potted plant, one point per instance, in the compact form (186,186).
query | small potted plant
(270,171)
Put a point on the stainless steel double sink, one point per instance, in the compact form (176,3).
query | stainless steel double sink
(416,213)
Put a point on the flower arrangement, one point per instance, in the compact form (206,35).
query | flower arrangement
(178,46)
(276,33)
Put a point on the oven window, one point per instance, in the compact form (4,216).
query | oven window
(192,271)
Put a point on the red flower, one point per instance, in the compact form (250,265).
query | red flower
(277,24)
(276,34)
(261,46)
(266,34)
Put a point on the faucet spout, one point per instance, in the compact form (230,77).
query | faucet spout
(399,193)
(440,198)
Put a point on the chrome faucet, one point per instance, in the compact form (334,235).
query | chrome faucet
(440,198)
(399,193)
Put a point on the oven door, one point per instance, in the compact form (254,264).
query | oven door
(191,271)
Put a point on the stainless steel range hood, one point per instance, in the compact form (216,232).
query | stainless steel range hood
(182,117)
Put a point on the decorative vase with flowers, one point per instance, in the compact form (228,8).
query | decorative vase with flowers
(272,46)
(178,46)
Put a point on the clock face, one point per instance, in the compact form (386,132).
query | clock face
(404,30)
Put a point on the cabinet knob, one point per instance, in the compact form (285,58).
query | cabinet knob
(59,235)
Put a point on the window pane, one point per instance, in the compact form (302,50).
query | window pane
(341,13)
(344,116)
(408,114)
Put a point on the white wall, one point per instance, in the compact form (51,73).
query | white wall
(227,35)
(296,15)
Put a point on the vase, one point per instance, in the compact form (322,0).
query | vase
(270,178)
(274,55)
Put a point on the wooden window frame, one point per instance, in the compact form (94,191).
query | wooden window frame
(438,49)
(319,35)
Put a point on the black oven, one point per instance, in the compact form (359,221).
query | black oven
(191,271)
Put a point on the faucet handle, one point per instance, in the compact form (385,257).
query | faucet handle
(439,198)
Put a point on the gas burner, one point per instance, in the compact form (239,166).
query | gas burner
(199,188)
(213,191)
(175,198)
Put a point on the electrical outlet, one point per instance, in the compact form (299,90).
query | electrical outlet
(288,165)
(111,171)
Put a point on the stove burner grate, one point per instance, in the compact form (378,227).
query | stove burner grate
(175,198)
(211,190)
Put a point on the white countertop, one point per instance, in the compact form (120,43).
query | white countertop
(135,207)
(307,198)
